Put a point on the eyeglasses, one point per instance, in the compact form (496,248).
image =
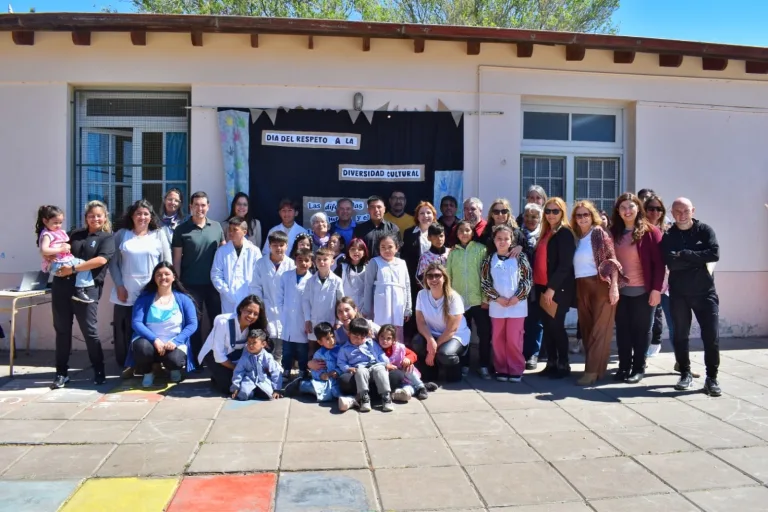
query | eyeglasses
(552,211)
(434,276)
(582,215)
(654,209)
(500,212)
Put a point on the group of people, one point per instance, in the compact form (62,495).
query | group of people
(383,308)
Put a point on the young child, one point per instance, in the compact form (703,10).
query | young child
(506,282)
(437,251)
(53,240)
(403,359)
(337,245)
(266,279)
(346,311)
(303,241)
(324,384)
(351,270)
(289,296)
(387,297)
(363,360)
(320,295)
(257,375)
(463,268)
(288,225)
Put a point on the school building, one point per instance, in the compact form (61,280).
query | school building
(123,106)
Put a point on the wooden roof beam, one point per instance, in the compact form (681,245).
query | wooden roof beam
(23,37)
(81,37)
(139,37)
(254,40)
(623,57)
(524,50)
(758,68)
(713,64)
(575,52)
(197,37)
(366,44)
(473,47)
(418,45)
(668,60)
(310,43)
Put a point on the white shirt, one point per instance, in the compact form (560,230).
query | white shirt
(232,273)
(218,340)
(319,300)
(292,233)
(424,242)
(583,258)
(506,278)
(134,260)
(289,302)
(266,279)
(433,314)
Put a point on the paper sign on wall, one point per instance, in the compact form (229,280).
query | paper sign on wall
(310,139)
(328,205)
(351,172)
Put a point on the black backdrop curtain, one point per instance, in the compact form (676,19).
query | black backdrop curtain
(431,139)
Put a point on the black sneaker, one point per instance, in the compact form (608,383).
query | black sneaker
(532,363)
(635,377)
(292,388)
(712,388)
(386,403)
(621,375)
(59,381)
(80,295)
(548,370)
(422,394)
(562,371)
(99,377)
(431,387)
(365,402)
(686,382)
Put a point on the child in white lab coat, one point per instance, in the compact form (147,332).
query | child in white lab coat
(289,302)
(234,266)
(387,287)
(320,295)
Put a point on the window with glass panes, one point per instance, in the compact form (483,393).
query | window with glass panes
(129,146)
(572,152)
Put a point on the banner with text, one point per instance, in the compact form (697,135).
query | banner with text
(327,205)
(390,173)
(310,139)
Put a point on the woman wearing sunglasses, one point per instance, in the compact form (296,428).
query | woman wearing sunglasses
(597,288)
(501,213)
(556,284)
(638,249)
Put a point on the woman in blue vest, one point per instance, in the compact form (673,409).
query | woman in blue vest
(224,345)
(164,318)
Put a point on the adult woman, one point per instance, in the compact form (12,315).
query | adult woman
(224,345)
(415,243)
(320,233)
(638,250)
(164,318)
(240,208)
(95,246)
(657,216)
(535,195)
(597,288)
(555,283)
(531,230)
(443,333)
(139,247)
(501,213)
(172,213)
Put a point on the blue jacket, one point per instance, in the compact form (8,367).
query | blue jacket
(256,371)
(140,329)
(367,354)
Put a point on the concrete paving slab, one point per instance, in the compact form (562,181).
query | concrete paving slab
(338,427)
(713,433)
(386,426)
(251,409)
(507,401)
(753,461)
(608,417)
(131,397)
(87,432)
(161,431)
(694,471)
(10,405)
(236,458)
(71,395)
(670,412)
(58,462)
(122,495)
(10,454)
(570,445)
(167,459)
(645,441)
(732,409)
(115,411)
(38,496)
(541,420)
(482,450)
(247,430)
(415,488)
(745,499)
(339,491)
(323,455)
(573,506)
(225,493)
(409,453)
(182,409)
(465,424)
(448,402)
(610,478)
(531,483)
(665,502)
(46,411)
(27,431)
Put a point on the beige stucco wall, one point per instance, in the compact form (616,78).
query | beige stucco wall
(686,131)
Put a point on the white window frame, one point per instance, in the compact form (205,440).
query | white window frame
(618,114)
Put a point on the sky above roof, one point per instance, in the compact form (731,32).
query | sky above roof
(736,22)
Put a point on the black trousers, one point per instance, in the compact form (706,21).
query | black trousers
(145,354)
(555,337)
(483,327)
(448,357)
(221,376)
(65,310)
(122,331)
(706,307)
(348,386)
(634,317)
(206,300)
(658,325)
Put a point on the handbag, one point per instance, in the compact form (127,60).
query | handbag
(550,309)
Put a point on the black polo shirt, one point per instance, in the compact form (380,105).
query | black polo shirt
(87,246)
(371,234)
(198,248)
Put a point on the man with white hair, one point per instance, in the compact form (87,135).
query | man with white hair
(688,247)
(473,213)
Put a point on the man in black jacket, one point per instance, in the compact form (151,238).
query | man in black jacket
(690,248)
(373,230)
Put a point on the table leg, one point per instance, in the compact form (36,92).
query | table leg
(29,327)
(13,337)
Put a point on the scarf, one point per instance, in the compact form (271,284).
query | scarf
(171,221)
(320,242)
(531,236)
(435,250)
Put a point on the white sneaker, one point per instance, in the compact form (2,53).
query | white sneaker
(346,402)
(401,395)
(515,378)
(653,350)
(574,347)
(484,373)
(501,377)
(464,371)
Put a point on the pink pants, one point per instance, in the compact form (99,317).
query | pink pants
(508,345)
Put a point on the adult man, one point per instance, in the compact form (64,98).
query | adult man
(194,247)
(372,230)
(688,247)
(448,207)
(396,213)
(473,213)
(345,226)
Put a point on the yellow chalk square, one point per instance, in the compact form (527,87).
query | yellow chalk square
(123,495)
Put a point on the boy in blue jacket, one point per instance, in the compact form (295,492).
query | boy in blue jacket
(363,359)
(257,375)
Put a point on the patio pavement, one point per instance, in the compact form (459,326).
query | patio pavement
(537,446)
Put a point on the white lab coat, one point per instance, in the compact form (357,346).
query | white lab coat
(232,275)
(289,296)
(387,291)
(354,283)
(264,285)
(319,300)
(292,233)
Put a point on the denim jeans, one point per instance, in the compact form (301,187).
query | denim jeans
(293,351)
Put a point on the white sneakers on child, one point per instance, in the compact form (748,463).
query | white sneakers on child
(401,395)
(346,402)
